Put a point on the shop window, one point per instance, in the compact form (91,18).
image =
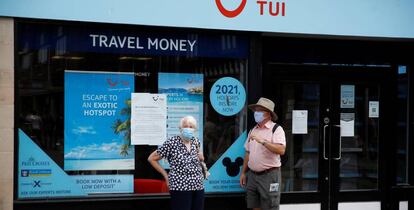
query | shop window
(74,105)
(402,134)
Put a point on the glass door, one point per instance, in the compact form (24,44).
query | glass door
(357,125)
(333,146)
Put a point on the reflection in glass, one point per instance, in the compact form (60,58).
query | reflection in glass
(402,116)
(42,58)
(300,172)
(359,162)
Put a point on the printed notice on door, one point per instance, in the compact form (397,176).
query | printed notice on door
(347,124)
(348,96)
(300,121)
(373,109)
(148,119)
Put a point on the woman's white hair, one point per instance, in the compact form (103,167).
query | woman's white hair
(190,120)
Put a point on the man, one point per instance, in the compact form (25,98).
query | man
(262,159)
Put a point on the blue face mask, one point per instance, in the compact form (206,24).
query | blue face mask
(187,133)
(258,117)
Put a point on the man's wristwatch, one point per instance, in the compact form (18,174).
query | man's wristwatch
(263,143)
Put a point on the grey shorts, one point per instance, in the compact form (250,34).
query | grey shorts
(263,190)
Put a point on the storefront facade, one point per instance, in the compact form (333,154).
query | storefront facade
(90,95)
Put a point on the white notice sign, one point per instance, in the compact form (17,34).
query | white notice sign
(299,121)
(148,118)
(373,109)
(347,124)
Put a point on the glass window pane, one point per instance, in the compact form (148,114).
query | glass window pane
(46,51)
(359,162)
(402,137)
(300,172)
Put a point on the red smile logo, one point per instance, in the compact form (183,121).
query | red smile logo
(231,13)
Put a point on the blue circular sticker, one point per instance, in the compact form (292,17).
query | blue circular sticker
(227,96)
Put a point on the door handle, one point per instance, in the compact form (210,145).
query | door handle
(324,141)
(340,143)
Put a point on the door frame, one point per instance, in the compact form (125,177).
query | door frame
(313,73)
(364,76)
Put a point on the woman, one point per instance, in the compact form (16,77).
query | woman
(185,179)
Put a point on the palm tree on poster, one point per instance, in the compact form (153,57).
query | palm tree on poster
(124,128)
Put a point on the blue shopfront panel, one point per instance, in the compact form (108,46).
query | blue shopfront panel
(101,40)
(368,18)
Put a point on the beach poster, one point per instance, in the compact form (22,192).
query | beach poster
(97,117)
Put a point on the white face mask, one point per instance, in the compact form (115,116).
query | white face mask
(258,116)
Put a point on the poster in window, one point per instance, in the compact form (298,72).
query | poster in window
(347,96)
(226,171)
(227,96)
(184,97)
(40,176)
(97,121)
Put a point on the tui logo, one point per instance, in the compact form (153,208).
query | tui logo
(231,13)
(112,82)
(265,8)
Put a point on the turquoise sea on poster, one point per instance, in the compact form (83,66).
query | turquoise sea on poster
(181,87)
(97,119)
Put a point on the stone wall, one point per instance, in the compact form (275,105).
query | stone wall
(6,112)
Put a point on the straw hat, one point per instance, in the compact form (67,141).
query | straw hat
(265,104)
